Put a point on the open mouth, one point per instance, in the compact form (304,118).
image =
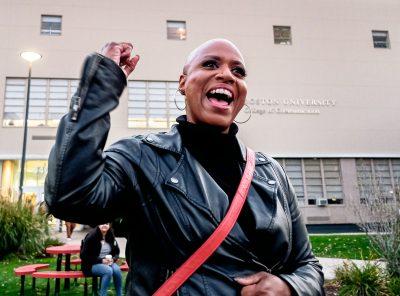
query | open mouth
(220,97)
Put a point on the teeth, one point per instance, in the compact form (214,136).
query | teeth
(222,91)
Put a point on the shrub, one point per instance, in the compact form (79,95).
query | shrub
(379,217)
(52,241)
(22,230)
(394,286)
(49,242)
(361,281)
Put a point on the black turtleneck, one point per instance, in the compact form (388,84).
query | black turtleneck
(221,157)
(218,153)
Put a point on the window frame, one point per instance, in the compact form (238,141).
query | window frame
(50,32)
(172,97)
(375,42)
(276,40)
(305,200)
(171,36)
(72,85)
(395,184)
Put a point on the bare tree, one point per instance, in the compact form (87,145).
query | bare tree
(379,214)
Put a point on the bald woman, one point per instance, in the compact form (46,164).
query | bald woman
(173,189)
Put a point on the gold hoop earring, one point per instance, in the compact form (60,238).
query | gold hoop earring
(250,113)
(176,105)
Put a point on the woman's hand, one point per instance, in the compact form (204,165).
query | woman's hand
(120,53)
(107,261)
(263,284)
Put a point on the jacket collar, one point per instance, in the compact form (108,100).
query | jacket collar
(215,206)
(172,141)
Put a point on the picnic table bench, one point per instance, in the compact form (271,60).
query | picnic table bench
(22,271)
(54,274)
(35,271)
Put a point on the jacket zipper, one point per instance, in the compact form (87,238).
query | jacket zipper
(77,100)
(275,265)
(269,270)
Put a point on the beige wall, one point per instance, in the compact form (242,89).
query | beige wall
(332,58)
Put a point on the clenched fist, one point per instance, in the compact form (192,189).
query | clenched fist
(120,53)
(263,284)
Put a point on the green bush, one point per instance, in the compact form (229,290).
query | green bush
(48,242)
(387,245)
(394,286)
(369,280)
(22,230)
(52,241)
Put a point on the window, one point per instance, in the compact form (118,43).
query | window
(282,35)
(378,179)
(314,187)
(151,104)
(381,39)
(51,25)
(176,30)
(396,171)
(332,181)
(49,100)
(294,170)
(35,172)
(315,178)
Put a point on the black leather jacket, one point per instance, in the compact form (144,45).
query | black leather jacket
(170,202)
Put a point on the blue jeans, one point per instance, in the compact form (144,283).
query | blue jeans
(106,272)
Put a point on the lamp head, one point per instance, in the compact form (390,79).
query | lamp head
(30,56)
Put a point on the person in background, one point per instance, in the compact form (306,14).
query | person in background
(70,226)
(99,254)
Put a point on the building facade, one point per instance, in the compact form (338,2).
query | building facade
(323,81)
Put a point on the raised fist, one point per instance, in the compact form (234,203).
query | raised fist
(120,53)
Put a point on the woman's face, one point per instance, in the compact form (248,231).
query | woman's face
(104,227)
(214,84)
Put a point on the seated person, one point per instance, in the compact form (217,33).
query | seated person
(99,252)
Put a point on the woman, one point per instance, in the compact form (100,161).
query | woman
(99,252)
(174,188)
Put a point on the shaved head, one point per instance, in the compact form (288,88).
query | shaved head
(213,83)
(197,52)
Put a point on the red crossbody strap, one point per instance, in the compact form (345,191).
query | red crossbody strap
(217,237)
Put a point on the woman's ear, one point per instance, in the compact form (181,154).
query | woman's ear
(182,81)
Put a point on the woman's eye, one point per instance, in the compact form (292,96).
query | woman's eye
(239,71)
(210,64)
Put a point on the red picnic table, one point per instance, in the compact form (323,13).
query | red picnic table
(66,250)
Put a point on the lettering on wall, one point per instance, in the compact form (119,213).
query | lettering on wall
(289,106)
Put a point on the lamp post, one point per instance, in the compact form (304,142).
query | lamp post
(31,57)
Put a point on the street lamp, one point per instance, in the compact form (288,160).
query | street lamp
(31,57)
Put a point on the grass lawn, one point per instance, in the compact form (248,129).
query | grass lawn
(10,284)
(334,246)
(343,246)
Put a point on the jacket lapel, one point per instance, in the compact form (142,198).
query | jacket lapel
(190,178)
(193,181)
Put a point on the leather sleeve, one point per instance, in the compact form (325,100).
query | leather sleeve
(302,271)
(84,184)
